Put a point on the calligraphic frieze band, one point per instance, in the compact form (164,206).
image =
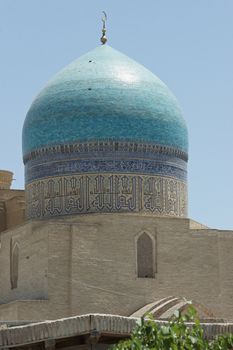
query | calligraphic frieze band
(106,193)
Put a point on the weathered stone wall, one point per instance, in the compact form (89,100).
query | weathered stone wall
(189,264)
(32,241)
(12,208)
(27,310)
(2,216)
(88,264)
(84,332)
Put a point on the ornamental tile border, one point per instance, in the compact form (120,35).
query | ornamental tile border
(126,166)
(106,146)
(106,193)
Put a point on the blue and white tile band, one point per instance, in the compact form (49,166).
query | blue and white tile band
(107,193)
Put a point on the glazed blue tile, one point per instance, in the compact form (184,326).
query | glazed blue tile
(104,95)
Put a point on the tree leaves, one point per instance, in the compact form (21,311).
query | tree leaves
(177,334)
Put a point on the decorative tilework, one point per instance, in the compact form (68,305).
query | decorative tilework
(115,169)
(104,95)
(105,135)
(108,193)
(106,157)
(106,146)
(102,166)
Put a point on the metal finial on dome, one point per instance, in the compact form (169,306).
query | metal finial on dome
(103,38)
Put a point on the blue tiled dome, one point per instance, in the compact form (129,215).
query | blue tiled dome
(105,136)
(104,95)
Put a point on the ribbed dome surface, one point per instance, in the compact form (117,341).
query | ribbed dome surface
(104,95)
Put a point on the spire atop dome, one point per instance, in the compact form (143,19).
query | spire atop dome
(103,38)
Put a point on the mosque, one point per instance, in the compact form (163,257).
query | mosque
(102,231)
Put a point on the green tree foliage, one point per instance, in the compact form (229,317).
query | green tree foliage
(177,334)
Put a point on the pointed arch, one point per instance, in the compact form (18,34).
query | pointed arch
(14,264)
(146,262)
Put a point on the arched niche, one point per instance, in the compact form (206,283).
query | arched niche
(14,264)
(146,260)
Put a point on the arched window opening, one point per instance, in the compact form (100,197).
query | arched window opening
(14,264)
(145,256)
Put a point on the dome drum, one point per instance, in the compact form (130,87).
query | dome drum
(106,177)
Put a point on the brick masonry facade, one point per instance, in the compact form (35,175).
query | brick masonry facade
(88,263)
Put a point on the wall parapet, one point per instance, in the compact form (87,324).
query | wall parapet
(111,325)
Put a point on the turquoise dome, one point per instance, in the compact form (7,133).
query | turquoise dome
(104,95)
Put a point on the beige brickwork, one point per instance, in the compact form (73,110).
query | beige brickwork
(87,264)
(33,263)
(6,178)
(12,207)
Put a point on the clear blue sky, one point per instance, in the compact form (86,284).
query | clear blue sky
(187,43)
